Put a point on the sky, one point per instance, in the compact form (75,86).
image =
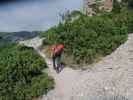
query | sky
(33,15)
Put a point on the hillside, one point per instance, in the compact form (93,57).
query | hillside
(97,59)
(14,37)
(21,76)
(109,79)
(87,39)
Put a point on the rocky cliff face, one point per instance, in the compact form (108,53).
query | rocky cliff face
(105,5)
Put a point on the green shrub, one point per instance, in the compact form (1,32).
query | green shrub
(88,38)
(21,76)
(41,85)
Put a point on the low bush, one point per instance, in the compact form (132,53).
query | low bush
(88,38)
(21,76)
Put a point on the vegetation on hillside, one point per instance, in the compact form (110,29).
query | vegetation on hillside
(2,34)
(128,3)
(88,38)
(21,76)
(116,6)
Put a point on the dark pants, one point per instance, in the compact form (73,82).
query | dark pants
(56,61)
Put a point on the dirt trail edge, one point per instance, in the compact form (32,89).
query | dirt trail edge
(109,79)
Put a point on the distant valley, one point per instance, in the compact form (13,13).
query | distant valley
(8,37)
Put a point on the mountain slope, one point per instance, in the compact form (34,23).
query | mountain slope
(109,79)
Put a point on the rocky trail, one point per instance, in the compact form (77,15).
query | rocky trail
(109,79)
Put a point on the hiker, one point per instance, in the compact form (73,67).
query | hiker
(57,51)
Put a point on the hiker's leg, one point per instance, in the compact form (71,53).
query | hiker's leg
(54,62)
(58,62)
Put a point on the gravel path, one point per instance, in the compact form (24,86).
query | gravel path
(109,79)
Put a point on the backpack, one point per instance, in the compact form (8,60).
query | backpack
(58,50)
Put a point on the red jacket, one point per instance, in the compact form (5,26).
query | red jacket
(57,49)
